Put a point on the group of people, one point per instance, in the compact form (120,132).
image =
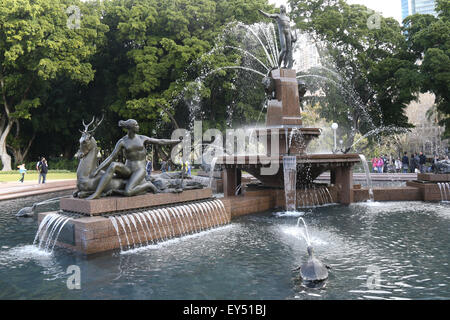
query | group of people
(379,164)
(416,163)
(41,168)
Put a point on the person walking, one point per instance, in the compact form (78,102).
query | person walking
(37,164)
(148,167)
(38,169)
(375,164)
(422,162)
(380,164)
(398,165)
(188,168)
(405,163)
(412,164)
(386,163)
(22,171)
(43,169)
(416,163)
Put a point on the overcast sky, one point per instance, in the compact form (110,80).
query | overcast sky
(388,8)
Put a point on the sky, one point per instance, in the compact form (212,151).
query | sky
(388,8)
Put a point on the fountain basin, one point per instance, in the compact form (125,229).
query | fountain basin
(309,167)
(88,235)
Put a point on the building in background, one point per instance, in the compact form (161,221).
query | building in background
(306,55)
(427,134)
(410,7)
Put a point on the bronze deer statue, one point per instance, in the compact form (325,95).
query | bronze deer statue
(86,182)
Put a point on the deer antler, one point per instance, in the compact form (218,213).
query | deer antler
(86,126)
(97,124)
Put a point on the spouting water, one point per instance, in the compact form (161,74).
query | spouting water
(290,181)
(41,226)
(116,227)
(149,234)
(306,234)
(149,216)
(133,221)
(211,173)
(52,224)
(368,178)
(440,185)
(127,221)
(124,229)
(59,231)
(137,216)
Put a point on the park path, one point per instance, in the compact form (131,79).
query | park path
(13,190)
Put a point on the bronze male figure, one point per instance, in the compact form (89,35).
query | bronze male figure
(286,36)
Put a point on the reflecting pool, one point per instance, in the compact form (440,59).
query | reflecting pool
(389,250)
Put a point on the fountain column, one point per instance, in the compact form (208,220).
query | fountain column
(344,180)
(232,178)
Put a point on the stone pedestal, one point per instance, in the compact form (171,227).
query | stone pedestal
(112,204)
(88,235)
(285,110)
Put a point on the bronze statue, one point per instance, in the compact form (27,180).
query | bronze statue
(287,38)
(86,182)
(133,170)
(174,182)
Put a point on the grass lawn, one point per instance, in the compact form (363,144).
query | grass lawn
(32,175)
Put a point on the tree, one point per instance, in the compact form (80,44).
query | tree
(428,39)
(372,78)
(37,44)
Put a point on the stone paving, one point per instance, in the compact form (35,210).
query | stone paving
(13,190)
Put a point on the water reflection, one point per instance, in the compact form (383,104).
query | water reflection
(252,258)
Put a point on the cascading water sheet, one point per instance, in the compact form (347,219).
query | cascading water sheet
(290,181)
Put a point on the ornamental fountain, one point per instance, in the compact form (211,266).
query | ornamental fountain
(284,163)
(117,207)
(112,207)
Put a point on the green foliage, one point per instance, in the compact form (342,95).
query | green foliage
(37,46)
(376,78)
(142,59)
(428,39)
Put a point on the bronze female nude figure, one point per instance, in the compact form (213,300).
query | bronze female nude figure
(133,169)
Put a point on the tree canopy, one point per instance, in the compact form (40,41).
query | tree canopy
(373,76)
(168,62)
(428,39)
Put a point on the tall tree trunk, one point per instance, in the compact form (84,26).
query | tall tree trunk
(20,155)
(6,158)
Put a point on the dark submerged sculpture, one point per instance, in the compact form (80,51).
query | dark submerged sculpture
(442,167)
(313,272)
(133,170)
(287,38)
(174,182)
